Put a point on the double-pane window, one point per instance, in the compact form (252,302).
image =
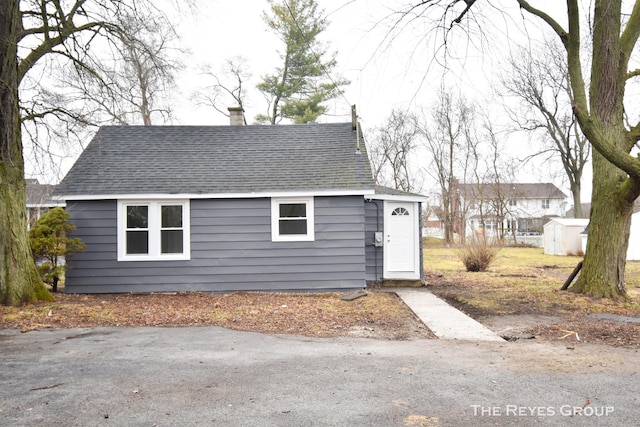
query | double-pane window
(153,230)
(292,219)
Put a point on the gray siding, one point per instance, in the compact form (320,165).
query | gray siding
(231,250)
(374,221)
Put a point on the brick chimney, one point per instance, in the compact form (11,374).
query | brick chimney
(236,115)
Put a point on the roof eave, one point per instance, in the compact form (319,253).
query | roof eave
(191,196)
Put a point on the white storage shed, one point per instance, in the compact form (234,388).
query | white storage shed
(633,251)
(562,236)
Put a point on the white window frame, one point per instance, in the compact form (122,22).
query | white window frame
(546,203)
(275,220)
(154,230)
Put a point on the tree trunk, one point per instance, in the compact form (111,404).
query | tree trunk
(576,188)
(19,279)
(613,190)
(604,262)
(448,220)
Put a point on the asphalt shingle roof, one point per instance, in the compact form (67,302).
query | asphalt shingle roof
(544,190)
(219,159)
(40,194)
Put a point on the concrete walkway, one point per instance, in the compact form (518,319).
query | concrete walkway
(442,319)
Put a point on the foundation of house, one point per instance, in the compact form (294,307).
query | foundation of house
(402,283)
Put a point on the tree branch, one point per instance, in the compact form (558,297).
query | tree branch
(630,34)
(561,32)
(49,43)
(634,133)
(464,12)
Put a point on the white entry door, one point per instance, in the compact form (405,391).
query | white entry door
(401,250)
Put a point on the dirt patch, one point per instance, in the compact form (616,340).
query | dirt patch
(567,330)
(615,318)
(566,357)
(516,326)
(524,319)
(379,315)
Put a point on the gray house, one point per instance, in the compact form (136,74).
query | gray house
(227,208)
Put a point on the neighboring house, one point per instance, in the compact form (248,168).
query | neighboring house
(432,225)
(586,210)
(227,208)
(507,208)
(39,200)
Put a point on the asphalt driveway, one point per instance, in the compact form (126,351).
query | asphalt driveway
(213,376)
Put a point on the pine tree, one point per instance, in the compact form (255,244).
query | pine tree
(297,89)
(50,244)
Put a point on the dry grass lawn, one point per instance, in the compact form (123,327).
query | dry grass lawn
(525,281)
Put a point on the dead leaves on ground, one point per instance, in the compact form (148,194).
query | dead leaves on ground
(380,315)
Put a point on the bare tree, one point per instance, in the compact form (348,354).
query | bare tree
(540,79)
(390,150)
(447,134)
(41,30)
(228,88)
(500,174)
(610,37)
(487,193)
(129,80)
(135,84)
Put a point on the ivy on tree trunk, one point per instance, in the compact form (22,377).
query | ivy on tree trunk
(603,269)
(616,176)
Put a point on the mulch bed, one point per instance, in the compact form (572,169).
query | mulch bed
(378,315)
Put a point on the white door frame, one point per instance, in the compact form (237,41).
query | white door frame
(414,252)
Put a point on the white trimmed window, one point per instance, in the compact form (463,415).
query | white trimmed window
(545,204)
(153,230)
(292,220)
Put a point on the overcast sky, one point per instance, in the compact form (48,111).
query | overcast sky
(385,73)
(387,70)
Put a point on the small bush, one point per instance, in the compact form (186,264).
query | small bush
(50,245)
(477,255)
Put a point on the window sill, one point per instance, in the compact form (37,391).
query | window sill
(176,257)
(291,238)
